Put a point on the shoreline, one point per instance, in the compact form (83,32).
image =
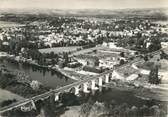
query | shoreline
(7,95)
(27,61)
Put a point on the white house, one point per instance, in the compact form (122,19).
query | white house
(107,64)
(164,44)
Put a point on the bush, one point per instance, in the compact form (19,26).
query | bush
(6,81)
(35,85)
(92,69)
(74,65)
(7,102)
(153,76)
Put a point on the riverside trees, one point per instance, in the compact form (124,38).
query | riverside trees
(153,76)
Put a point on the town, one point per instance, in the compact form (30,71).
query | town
(68,60)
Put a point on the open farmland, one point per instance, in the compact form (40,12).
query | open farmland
(127,71)
(103,55)
(4,24)
(60,49)
(155,60)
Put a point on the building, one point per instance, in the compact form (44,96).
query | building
(88,60)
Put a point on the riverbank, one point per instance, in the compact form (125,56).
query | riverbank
(7,95)
(32,62)
(19,86)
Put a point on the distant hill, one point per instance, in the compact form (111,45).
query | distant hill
(88,12)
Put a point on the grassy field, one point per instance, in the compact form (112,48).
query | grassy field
(162,64)
(103,55)
(59,49)
(76,75)
(9,24)
(127,71)
(6,95)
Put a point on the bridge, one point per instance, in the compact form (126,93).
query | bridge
(91,83)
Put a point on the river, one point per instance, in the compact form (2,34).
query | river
(47,77)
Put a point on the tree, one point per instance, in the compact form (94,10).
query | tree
(153,76)
(85,109)
(122,62)
(155,44)
(146,58)
(51,55)
(122,54)
(155,111)
(6,80)
(144,111)
(66,58)
(98,109)
(95,51)
(133,111)
(163,55)
(35,85)
(53,62)
(7,102)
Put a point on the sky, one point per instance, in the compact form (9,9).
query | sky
(82,4)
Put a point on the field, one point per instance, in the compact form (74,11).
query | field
(162,63)
(57,50)
(84,51)
(127,71)
(76,75)
(6,95)
(9,24)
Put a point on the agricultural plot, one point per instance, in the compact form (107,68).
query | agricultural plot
(57,50)
(4,24)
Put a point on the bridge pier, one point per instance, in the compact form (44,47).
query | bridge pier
(100,89)
(28,106)
(77,90)
(93,92)
(93,85)
(33,105)
(100,82)
(85,88)
(107,78)
(116,75)
(56,97)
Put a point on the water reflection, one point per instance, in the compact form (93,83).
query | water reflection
(48,77)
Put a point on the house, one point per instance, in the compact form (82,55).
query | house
(93,61)
(3,54)
(108,63)
(88,60)
(5,43)
(132,77)
(164,44)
